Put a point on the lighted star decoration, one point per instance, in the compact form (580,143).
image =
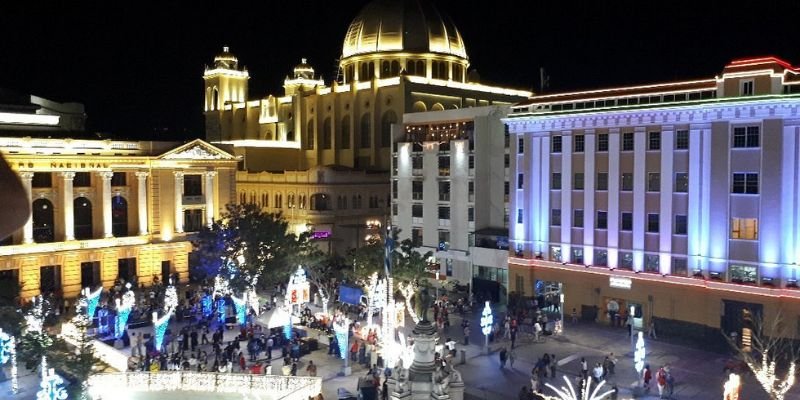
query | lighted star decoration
(92,300)
(52,385)
(160,328)
(568,392)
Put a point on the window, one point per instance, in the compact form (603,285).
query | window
(444,240)
(506,190)
(82,213)
(577,183)
(555,253)
(627,182)
(627,222)
(601,258)
(681,182)
(627,141)
(626,260)
(521,145)
(555,217)
(682,140)
(506,160)
(192,185)
(416,190)
(416,162)
(416,237)
(580,144)
(444,191)
(82,179)
(653,182)
(746,183)
(679,267)
(43,218)
(520,181)
(680,224)
(192,220)
(655,141)
(602,181)
(119,216)
(746,88)
(744,137)
(556,144)
(49,278)
(577,218)
(577,255)
(602,220)
(652,223)
(448,267)
(743,273)
(394,209)
(744,228)
(416,210)
(118,179)
(444,212)
(651,262)
(602,142)
(555,182)
(444,166)
(42,180)
(471,214)
(520,212)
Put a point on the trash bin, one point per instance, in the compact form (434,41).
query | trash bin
(463,356)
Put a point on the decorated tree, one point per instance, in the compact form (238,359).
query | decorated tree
(768,353)
(248,247)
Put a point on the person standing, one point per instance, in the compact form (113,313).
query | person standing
(661,381)
(311,369)
(537,330)
(646,377)
(584,368)
(193,339)
(503,357)
(651,331)
(670,381)
(466,335)
(553,366)
(293,370)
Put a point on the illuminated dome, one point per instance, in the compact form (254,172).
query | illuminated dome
(226,60)
(411,26)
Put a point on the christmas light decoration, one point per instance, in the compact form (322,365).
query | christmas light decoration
(207,303)
(52,385)
(568,392)
(222,310)
(341,327)
(124,308)
(765,374)
(241,309)
(160,328)
(221,286)
(35,316)
(486,323)
(8,352)
(408,290)
(170,298)
(297,292)
(639,353)
(92,300)
(732,387)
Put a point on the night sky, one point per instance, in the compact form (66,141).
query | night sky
(138,69)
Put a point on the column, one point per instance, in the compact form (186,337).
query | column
(667,215)
(105,201)
(67,200)
(27,231)
(639,190)
(178,201)
(566,196)
(142,201)
(612,233)
(209,191)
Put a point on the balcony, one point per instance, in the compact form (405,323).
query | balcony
(35,248)
(444,223)
(194,200)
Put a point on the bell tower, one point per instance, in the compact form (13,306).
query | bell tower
(225,82)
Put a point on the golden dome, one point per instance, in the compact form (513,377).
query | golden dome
(413,26)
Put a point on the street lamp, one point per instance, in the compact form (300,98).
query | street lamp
(486,324)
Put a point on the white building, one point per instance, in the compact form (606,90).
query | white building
(679,198)
(450,193)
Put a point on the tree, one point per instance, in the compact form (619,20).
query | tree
(765,348)
(248,245)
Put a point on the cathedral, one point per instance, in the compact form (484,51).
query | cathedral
(317,151)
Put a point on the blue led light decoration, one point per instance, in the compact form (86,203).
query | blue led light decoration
(52,385)
(8,352)
(222,311)
(287,329)
(160,328)
(241,309)
(207,303)
(92,300)
(124,308)
(341,327)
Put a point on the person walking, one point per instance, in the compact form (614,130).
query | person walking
(584,368)
(574,315)
(646,377)
(503,357)
(537,330)
(670,382)
(466,335)
(661,381)
(311,369)
(651,331)
(293,370)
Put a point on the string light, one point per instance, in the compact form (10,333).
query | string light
(639,353)
(124,308)
(170,298)
(160,327)
(52,385)
(341,327)
(568,392)
(486,319)
(8,352)
(732,387)
(92,300)
(241,309)
(35,316)
(207,303)
(765,374)
(408,290)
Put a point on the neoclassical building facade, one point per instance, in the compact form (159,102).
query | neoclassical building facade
(104,209)
(397,57)
(679,199)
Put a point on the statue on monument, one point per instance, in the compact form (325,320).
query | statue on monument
(402,376)
(441,381)
(425,301)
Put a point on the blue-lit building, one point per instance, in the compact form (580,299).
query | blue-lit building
(681,199)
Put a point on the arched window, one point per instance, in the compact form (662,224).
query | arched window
(215,99)
(355,202)
(437,107)
(310,135)
(320,202)
(419,107)
(344,143)
(43,229)
(344,202)
(119,216)
(208,98)
(389,118)
(277,200)
(411,67)
(385,69)
(326,134)
(82,211)
(365,132)
(242,198)
(421,68)
(290,136)
(395,68)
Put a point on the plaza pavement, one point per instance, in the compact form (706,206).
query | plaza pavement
(698,374)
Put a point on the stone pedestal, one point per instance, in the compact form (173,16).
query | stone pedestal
(399,396)
(457,391)
(424,352)
(346,371)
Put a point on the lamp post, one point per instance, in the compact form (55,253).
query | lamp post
(486,325)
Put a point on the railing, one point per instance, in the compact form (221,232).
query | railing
(193,200)
(108,386)
(72,245)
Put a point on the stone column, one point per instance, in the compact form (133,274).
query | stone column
(69,213)
(105,201)
(209,191)
(178,201)
(27,231)
(142,202)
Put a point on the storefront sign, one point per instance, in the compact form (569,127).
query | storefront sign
(321,235)
(619,282)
